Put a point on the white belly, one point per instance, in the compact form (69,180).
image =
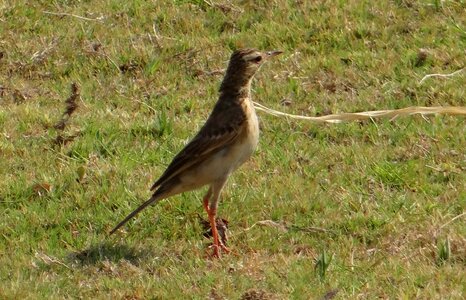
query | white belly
(249,144)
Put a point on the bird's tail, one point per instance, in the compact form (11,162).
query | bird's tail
(154,199)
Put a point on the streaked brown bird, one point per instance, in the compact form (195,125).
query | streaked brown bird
(227,140)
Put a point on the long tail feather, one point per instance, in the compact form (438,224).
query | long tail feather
(152,200)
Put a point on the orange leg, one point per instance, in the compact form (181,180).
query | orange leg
(213,225)
(206,202)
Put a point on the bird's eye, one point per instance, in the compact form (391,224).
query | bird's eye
(258,59)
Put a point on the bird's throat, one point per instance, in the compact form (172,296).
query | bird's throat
(236,92)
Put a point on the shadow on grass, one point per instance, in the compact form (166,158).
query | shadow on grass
(108,251)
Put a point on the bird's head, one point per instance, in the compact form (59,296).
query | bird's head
(244,63)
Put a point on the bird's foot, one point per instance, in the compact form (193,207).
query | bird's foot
(217,248)
(216,252)
(224,248)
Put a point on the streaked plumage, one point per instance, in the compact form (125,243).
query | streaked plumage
(227,139)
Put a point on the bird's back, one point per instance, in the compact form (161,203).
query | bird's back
(225,124)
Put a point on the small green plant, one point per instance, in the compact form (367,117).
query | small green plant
(163,124)
(322,264)
(444,252)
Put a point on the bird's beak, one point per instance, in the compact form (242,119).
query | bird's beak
(273,53)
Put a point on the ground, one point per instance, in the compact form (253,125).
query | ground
(353,210)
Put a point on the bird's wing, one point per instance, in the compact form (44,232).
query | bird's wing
(222,127)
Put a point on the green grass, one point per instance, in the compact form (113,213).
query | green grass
(384,191)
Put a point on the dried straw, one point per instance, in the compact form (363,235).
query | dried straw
(345,117)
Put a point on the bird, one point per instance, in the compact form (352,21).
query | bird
(226,141)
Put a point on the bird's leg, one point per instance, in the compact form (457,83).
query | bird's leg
(212,212)
(213,226)
(218,244)
(206,200)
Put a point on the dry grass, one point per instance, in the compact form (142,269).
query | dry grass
(346,117)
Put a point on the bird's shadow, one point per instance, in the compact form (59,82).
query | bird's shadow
(107,251)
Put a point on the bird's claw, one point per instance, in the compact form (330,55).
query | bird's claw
(217,248)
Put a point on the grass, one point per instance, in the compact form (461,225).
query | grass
(389,195)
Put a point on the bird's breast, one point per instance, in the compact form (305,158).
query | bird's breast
(228,159)
(249,138)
